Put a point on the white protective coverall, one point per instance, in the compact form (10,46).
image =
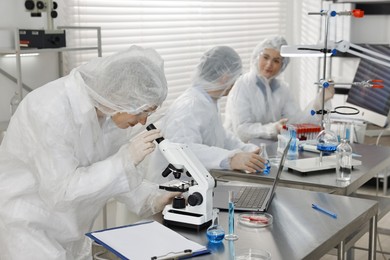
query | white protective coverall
(59,164)
(256,104)
(194,118)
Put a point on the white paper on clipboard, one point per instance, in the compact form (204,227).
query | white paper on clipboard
(144,240)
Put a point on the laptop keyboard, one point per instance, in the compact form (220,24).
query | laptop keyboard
(251,197)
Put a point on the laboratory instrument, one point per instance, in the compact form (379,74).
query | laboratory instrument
(304,131)
(263,153)
(255,219)
(371,83)
(330,48)
(215,233)
(344,161)
(42,38)
(292,153)
(197,212)
(342,110)
(231,235)
(252,253)
(327,140)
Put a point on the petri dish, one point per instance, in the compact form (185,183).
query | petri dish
(255,219)
(252,254)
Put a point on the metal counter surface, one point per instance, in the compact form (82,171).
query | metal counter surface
(374,160)
(298,231)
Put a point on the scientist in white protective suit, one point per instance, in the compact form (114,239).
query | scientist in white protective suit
(260,104)
(194,119)
(67,152)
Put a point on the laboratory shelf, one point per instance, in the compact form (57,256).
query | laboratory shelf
(35,50)
(18,51)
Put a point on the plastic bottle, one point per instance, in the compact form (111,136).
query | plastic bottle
(14,103)
(343,161)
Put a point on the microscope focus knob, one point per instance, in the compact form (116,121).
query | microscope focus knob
(178,202)
(195,199)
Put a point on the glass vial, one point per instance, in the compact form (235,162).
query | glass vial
(343,161)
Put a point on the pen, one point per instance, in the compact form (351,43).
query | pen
(173,255)
(315,206)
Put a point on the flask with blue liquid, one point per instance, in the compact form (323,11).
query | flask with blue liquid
(327,140)
(215,233)
(263,153)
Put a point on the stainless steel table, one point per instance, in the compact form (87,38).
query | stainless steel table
(374,160)
(298,231)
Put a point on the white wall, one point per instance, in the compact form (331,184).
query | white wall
(36,71)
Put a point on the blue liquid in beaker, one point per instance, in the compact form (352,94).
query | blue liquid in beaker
(215,234)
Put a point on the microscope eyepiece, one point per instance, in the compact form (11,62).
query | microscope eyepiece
(151,127)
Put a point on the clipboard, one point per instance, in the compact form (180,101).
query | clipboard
(139,241)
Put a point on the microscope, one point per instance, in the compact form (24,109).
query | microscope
(196,212)
(40,38)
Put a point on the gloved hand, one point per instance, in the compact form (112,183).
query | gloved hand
(142,145)
(279,125)
(329,92)
(247,161)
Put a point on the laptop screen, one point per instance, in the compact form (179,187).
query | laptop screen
(241,192)
(280,169)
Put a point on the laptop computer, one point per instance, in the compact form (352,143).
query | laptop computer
(249,198)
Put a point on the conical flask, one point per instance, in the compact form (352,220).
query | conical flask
(327,140)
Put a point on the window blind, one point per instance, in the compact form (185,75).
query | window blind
(180,30)
(308,68)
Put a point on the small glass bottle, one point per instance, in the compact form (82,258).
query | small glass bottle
(215,233)
(263,153)
(343,161)
(14,103)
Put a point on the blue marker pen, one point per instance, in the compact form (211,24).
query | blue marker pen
(315,206)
